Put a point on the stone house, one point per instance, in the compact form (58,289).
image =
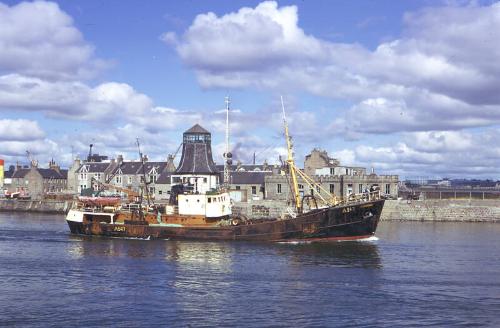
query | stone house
(332,177)
(92,170)
(163,186)
(37,182)
(119,173)
(248,185)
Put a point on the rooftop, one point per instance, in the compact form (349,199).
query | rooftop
(197,129)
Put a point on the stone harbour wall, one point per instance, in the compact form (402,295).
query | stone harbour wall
(394,210)
(399,210)
(45,206)
(442,210)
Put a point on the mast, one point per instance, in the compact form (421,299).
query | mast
(227,154)
(291,162)
(146,184)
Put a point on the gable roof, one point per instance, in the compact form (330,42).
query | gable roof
(94,167)
(50,174)
(64,173)
(132,168)
(164,178)
(20,173)
(129,168)
(247,167)
(148,166)
(255,178)
(45,173)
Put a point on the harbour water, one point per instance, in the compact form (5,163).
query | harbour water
(412,274)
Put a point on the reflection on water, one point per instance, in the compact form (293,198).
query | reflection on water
(220,255)
(445,273)
(345,254)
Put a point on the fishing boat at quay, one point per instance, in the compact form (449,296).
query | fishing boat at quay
(200,207)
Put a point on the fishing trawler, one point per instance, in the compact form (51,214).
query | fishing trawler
(200,207)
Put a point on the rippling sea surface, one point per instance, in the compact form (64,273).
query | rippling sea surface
(415,274)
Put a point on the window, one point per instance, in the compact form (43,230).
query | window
(332,188)
(254,190)
(209,199)
(118,179)
(238,188)
(317,188)
(130,180)
(279,188)
(204,180)
(360,190)
(388,189)
(159,192)
(332,171)
(312,191)
(301,187)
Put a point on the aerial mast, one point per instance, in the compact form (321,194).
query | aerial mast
(291,162)
(146,184)
(227,155)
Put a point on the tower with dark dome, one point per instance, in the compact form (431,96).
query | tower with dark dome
(196,166)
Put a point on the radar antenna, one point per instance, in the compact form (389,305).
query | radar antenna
(227,155)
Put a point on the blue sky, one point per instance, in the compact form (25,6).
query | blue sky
(407,87)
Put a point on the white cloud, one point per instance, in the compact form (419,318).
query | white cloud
(432,154)
(41,150)
(442,73)
(442,141)
(72,99)
(238,39)
(39,39)
(20,130)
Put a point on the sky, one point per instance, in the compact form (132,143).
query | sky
(407,87)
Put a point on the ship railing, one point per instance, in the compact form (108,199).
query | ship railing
(88,208)
(172,209)
(132,207)
(364,197)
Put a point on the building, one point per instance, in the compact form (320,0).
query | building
(319,163)
(37,183)
(197,171)
(7,180)
(247,181)
(91,176)
(196,166)
(332,177)
(1,173)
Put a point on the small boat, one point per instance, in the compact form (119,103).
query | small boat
(200,208)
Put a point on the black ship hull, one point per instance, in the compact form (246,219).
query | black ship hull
(347,222)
